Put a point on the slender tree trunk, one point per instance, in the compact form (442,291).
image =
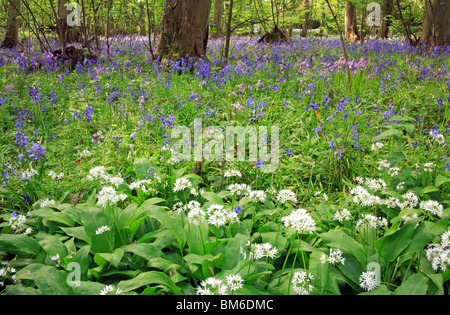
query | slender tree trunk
(351,32)
(227,41)
(185,29)
(217,18)
(436,28)
(12,25)
(386,19)
(305,25)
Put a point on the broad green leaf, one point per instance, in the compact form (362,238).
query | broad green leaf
(54,216)
(168,220)
(113,258)
(144,250)
(440,180)
(232,251)
(341,240)
(94,218)
(148,278)
(387,134)
(48,279)
(417,284)
(19,244)
(429,189)
(141,167)
(423,235)
(391,246)
(51,245)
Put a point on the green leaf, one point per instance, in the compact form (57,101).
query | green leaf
(339,239)
(440,180)
(113,258)
(144,250)
(169,221)
(391,246)
(48,279)
(429,189)
(20,244)
(54,216)
(387,134)
(417,284)
(51,245)
(141,167)
(94,218)
(232,251)
(148,278)
(423,235)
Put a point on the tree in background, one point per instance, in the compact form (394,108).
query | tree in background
(185,29)
(12,25)
(436,29)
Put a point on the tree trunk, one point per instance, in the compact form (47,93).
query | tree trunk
(12,25)
(305,25)
(185,29)
(67,34)
(217,18)
(351,32)
(386,19)
(107,5)
(436,29)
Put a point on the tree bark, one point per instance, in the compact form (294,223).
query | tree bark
(386,19)
(436,29)
(12,26)
(185,29)
(305,25)
(351,32)
(217,18)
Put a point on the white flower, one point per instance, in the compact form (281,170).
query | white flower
(219,216)
(179,207)
(410,200)
(85,153)
(211,286)
(439,254)
(239,189)
(377,146)
(371,221)
(196,216)
(383,164)
(286,195)
(300,221)
(98,172)
(368,281)
(102,230)
(432,206)
(400,185)
(428,167)
(54,258)
(235,282)
(263,250)
(16,222)
(107,289)
(29,173)
(394,171)
(343,215)
(257,195)
(47,203)
(334,258)
(108,196)
(181,184)
(232,173)
(55,176)
(116,181)
(301,282)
